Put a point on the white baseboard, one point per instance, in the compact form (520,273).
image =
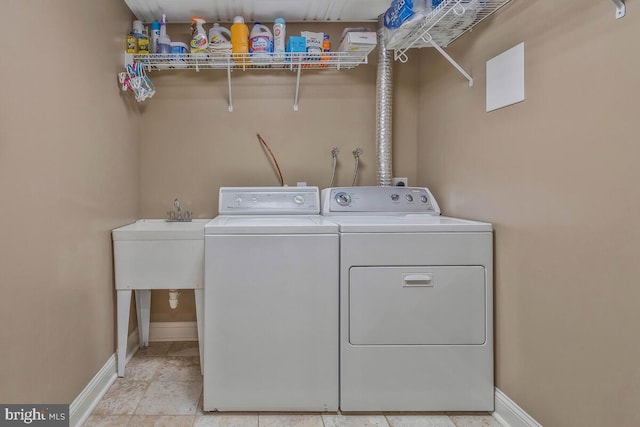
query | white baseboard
(173,331)
(509,414)
(88,399)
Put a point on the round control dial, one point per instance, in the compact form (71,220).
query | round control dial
(395,197)
(343,199)
(424,199)
(409,198)
(298,199)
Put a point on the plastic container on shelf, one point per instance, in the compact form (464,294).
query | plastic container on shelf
(326,49)
(239,40)
(164,42)
(402,11)
(279,39)
(138,28)
(132,38)
(260,44)
(143,43)
(178,49)
(155,35)
(199,40)
(132,43)
(219,37)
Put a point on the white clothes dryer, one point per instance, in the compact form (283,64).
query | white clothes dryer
(271,302)
(416,303)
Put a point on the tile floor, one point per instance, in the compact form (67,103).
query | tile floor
(162,387)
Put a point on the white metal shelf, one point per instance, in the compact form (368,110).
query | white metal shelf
(440,27)
(296,62)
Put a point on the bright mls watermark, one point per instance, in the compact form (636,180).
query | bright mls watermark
(34,415)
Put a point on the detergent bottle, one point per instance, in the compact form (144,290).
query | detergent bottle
(260,44)
(199,40)
(239,40)
(219,37)
(134,35)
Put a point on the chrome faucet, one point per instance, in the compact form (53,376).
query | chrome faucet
(176,214)
(176,205)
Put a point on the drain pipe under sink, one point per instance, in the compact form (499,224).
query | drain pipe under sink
(173,298)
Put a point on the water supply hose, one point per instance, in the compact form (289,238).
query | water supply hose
(334,154)
(356,155)
(275,162)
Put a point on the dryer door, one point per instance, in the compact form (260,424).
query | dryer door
(417,305)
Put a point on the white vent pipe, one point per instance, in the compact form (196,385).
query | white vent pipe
(384,108)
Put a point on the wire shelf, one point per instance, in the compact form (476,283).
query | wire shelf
(136,66)
(443,25)
(225,60)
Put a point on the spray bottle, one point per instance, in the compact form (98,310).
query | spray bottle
(199,40)
(164,42)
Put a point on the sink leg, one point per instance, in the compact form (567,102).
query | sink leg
(143,308)
(123,307)
(199,293)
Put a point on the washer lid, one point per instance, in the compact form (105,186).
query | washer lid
(160,229)
(406,224)
(270,224)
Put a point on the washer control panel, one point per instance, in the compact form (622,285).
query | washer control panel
(378,200)
(269,201)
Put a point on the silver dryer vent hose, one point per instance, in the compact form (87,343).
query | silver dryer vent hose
(384,109)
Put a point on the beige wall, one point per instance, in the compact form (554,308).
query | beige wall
(68,175)
(558,176)
(191,145)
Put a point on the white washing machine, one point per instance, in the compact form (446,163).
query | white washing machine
(416,303)
(271,302)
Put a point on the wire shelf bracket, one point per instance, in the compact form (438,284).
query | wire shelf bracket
(230,107)
(401,55)
(621,9)
(295,100)
(441,26)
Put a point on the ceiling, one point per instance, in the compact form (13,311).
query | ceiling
(180,11)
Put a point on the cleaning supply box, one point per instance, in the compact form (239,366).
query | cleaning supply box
(297,47)
(360,42)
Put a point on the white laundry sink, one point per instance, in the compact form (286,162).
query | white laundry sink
(156,254)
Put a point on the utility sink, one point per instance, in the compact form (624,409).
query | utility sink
(156,254)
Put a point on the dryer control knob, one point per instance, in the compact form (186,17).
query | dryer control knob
(343,199)
(395,197)
(298,200)
(424,199)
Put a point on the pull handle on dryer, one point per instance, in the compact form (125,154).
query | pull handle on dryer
(417,280)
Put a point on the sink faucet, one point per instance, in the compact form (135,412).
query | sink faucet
(176,214)
(176,204)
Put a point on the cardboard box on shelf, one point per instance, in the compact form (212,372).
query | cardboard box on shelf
(360,42)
